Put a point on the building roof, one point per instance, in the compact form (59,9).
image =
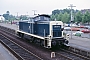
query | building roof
(42,15)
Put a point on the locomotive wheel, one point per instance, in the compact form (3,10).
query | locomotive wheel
(41,42)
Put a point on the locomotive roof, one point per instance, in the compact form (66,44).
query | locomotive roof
(43,15)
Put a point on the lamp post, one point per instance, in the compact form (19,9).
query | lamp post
(71,5)
(34,11)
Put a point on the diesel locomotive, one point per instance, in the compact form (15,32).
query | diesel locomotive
(42,31)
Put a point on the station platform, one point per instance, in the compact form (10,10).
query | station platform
(12,26)
(79,42)
(5,54)
(75,41)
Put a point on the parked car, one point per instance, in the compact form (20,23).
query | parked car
(78,33)
(80,26)
(75,29)
(87,27)
(86,31)
(67,28)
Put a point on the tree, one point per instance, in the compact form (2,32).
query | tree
(59,17)
(78,17)
(7,12)
(55,12)
(86,17)
(52,17)
(67,10)
(6,15)
(56,16)
(89,18)
(65,17)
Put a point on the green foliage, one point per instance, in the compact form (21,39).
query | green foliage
(56,16)
(65,16)
(52,17)
(86,18)
(55,12)
(59,17)
(7,16)
(78,17)
(89,18)
(66,10)
(63,11)
(7,12)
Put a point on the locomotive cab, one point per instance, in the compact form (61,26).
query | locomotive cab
(55,36)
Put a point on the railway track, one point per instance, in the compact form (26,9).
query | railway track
(71,55)
(7,29)
(79,51)
(60,55)
(20,52)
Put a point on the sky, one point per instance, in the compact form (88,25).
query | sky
(26,7)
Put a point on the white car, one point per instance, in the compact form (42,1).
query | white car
(67,28)
(87,27)
(78,33)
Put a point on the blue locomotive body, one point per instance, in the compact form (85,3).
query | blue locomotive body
(33,28)
(42,30)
